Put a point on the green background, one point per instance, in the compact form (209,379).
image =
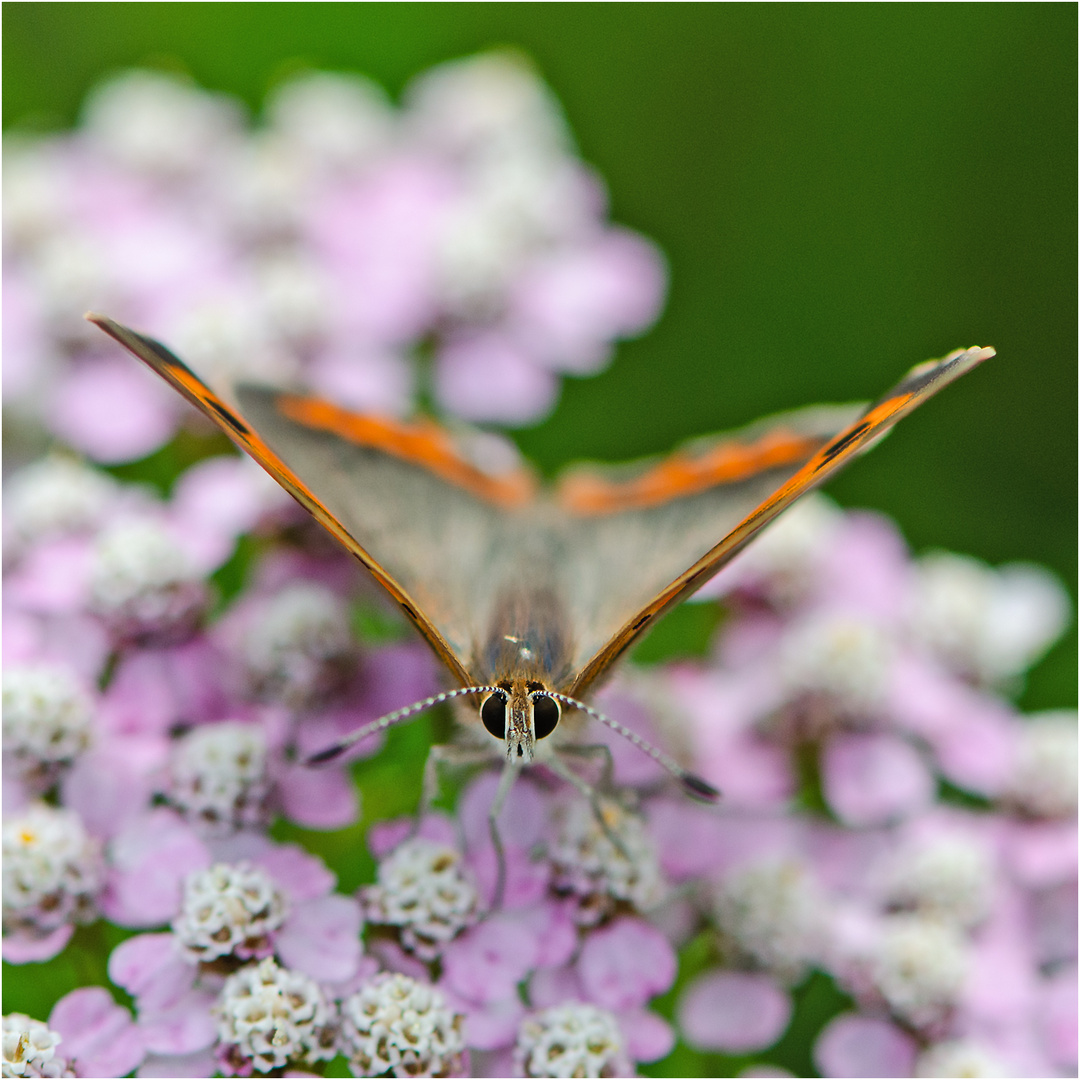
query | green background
(842,191)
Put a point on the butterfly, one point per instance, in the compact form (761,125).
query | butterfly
(529,595)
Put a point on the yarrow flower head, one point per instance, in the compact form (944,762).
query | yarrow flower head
(989,623)
(604,864)
(30,1048)
(1043,783)
(949,878)
(396,1026)
(960,1057)
(299,647)
(919,966)
(771,915)
(143,585)
(47,721)
(52,871)
(229,911)
(269,1016)
(571,1040)
(424,890)
(219,779)
(56,496)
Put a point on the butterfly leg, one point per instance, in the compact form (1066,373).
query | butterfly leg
(450,755)
(562,770)
(506,782)
(595,750)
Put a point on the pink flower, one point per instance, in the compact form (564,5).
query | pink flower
(854,1045)
(872,779)
(733,1012)
(97,1033)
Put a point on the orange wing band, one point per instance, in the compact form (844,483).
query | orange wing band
(682,474)
(423,442)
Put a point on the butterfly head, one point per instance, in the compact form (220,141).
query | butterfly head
(519,712)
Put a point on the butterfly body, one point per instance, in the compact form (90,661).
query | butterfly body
(530,595)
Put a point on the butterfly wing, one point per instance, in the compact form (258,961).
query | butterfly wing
(425,513)
(641,540)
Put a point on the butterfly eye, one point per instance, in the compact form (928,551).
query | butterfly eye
(546,713)
(493,715)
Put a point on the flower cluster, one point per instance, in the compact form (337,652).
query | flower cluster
(890,821)
(885,824)
(453,248)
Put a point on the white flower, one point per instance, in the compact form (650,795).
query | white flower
(331,119)
(1044,778)
(772,913)
(159,124)
(219,777)
(991,624)
(949,878)
(30,1048)
(919,966)
(143,584)
(423,888)
(268,1016)
(55,496)
(959,1057)
(46,718)
(571,1040)
(52,871)
(297,649)
(229,911)
(588,862)
(837,655)
(395,1025)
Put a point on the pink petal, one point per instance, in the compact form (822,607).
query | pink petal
(874,779)
(524,817)
(556,932)
(977,751)
(854,1045)
(321,938)
(169,1067)
(111,785)
(364,380)
(53,577)
(553,986)
(318,798)
(490,1025)
(488,378)
(486,963)
(648,1037)
(733,1012)
(32,950)
(151,968)
(1042,854)
(571,304)
(625,964)
(384,836)
(187,1026)
(216,501)
(150,859)
(97,1033)
(113,410)
(526,879)
(302,875)
(1058,1018)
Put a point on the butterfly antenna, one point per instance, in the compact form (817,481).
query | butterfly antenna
(690,782)
(390,719)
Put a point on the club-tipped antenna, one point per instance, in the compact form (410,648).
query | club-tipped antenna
(690,782)
(390,719)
